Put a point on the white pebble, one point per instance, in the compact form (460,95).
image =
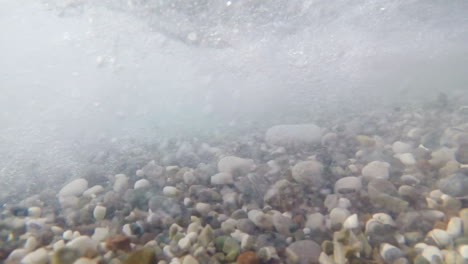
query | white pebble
(171,191)
(232,164)
(31,244)
(87,261)
(190,260)
(431,251)
(16,255)
(400,147)
(463,251)
(121,183)
(82,244)
(74,188)
(100,234)
(441,237)
(188,202)
(407,159)
(34,212)
(127,230)
(40,256)
(351,222)
(99,212)
(192,236)
(455,227)
(76,234)
(203,208)
(140,173)
(222,178)
(376,170)
(143,183)
(67,235)
(91,192)
(184,243)
(58,245)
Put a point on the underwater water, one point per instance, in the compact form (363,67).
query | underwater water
(301,131)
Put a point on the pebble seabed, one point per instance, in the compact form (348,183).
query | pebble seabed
(381,187)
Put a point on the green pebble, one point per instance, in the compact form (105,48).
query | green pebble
(230,245)
(219,242)
(231,256)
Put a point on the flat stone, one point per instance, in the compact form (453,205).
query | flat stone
(376,170)
(348,185)
(74,188)
(222,178)
(307,251)
(308,172)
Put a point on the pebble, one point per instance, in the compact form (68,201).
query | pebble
(315,222)
(307,251)
(401,147)
(67,235)
(100,234)
(189,260)
(376,170)
(171,191)
(248,257)
(337,217)
(455,185)
(99,212)
(308,172)
(430,252)
(87,261)
(184,243)
(260,219)
(34,212)
(293,136)
(233,165)
(74,188)
(407,159)
(351,222)
(82,244)
(282,224)
(93,191)
(58,245)
(39,256)
(141,256)
(143,183)
(121,183)
(348,185)
(463,251)
(118,242)
(390,253)
(203,208)
(222,178)
(206,236)
(440,237)
(65,255)
(455,227)
(461,155)
(31,244)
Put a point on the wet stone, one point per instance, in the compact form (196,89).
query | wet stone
(307,251)
(461,155)
(455,185)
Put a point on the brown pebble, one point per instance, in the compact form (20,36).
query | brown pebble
(118,242)
(248,257)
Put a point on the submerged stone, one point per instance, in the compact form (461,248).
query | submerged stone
(142,256)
